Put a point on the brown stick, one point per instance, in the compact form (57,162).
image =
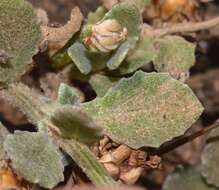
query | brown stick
(187,27)
(184,139)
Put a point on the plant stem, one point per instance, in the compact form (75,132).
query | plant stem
(81,154)
(187,27)
(38,111)
(185,139)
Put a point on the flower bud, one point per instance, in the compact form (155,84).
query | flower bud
(106,35)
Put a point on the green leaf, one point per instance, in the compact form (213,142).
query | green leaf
(170,54)
(186,179)
(67,95)
(101,83)
(78,54)
(88,162)
(3,133)
(129,16)
(36,107)
(94,17)
(98,62)
(19,37)
(35,157)
(73,123)
(176,56)
(139,3)
(210,158)
(143,53)
(145,110)
(39,111)
(118,56)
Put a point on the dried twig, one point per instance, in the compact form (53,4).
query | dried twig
(187,27)
(59,36)
(185,139)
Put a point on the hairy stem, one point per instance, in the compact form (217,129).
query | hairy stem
(82,155)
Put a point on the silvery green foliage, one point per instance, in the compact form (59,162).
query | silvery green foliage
(75,124)
(35,157)
(102,83)
(3,133)
(48,115)
(210,159)
(171,54)
(143,53)
(67,95)
(70,120)
(145,109)
(176,56)
(129,18)
(94,17)
(36,107)
(186,179)
(78,53)
(129,56)
(82,155)
(19,37)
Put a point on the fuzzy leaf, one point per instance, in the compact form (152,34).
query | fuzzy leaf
(94,17)
(102,83)
(97,61)
(118,56)
(35,157)
(210,159)
(3,133)
(145,110)
(170,54)
(88,162)
(139,3)
(78,54)
(40,112)
(73,123)
(143,53)
(176,56)
(67,95)
(129,16)
(36,107)
(186,179)
(19,38)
